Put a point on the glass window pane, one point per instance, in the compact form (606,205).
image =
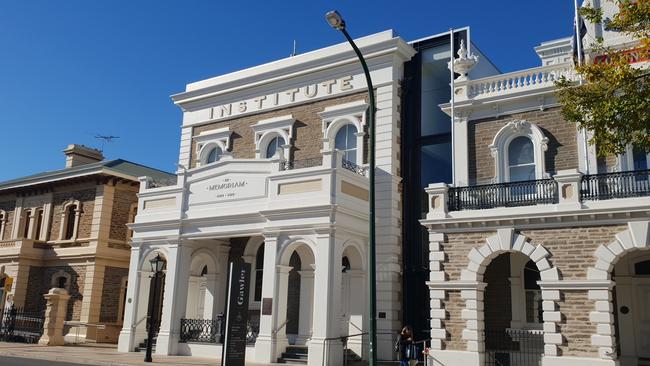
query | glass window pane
(351,156)
(214,155)
(435,164)
(640,159)
(435,90)
(521,173)
(520,151)
(351,137)
(273,146)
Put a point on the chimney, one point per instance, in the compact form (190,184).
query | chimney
(79,155)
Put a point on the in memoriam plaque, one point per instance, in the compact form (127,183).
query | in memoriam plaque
(234,348)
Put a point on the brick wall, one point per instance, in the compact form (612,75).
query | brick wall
(308,133)
(40,282)
(87,199)
(562,150)
(9,206)
(120,215)
(111,294)
(454,323)
(576,328)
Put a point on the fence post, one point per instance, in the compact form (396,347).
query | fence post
(438,196)
(568,182)
(55,312)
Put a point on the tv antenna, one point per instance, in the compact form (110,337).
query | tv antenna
(106,139)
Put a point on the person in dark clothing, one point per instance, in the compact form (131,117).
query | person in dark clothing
(404,345)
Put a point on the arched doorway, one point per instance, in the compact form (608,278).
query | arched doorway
(513,311)
(631,303)
(298,259)
(145,295)
(293,298)
(202,297)
(353,299)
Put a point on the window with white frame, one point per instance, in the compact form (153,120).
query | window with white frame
(343,129)
(533,294)
(518,150)
(346,142)
(274,146)
(27,219)
(212,145)
(273,137)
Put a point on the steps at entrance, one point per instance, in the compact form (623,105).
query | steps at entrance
(294,355)
(142,347)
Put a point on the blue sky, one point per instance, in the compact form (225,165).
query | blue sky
(70,70)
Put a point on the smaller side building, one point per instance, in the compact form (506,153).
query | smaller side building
(67,228)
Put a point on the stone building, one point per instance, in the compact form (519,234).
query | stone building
(67,228)
(539,249)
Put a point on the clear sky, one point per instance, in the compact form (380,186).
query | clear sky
(70,70)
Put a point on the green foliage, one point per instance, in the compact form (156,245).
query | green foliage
(614,100)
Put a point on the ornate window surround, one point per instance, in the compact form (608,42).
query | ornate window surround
(501,142)
(3,223)
(625,161)
(267,129)
(64,219)
(337,116)
(207,140)
(54,281)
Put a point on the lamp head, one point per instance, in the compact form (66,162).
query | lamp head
(157,264)
(335,20)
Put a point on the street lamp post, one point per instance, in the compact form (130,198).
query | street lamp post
(336,21)
(157,265)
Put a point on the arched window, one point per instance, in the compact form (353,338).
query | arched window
(345,263)
(346,141)
(274,146)
(61,279)
(39,224)
(640,159)
(521,159)
(214,155)
(533,294)
(259,272)
(70,221)
(27,222)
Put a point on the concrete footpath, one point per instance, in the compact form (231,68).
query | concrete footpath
(97,354)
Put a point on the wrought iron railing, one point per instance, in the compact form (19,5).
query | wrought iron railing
(18,325)
(513,347)
(345,164)
(513,194)
(300,164)
(202,330)
(615,185)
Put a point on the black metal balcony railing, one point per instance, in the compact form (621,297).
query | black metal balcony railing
(353,167)
(615,185)
(203,330)
(513,194)
(300,164)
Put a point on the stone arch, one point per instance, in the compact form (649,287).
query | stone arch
(203,257)
(355,254)
(205,150)
(150,254)
(305,247)
(508,240)
(635,237)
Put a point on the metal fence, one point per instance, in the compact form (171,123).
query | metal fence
(345,164)
(18,325)
(514,347)
(513,194)
(300,164)
(615,185)
(203,330)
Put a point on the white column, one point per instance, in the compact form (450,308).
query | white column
(126,342)
(306,305)
(461,152)
(221,279)
(266,345)
(210,296)
(173,309)
(327,285)
(193,295)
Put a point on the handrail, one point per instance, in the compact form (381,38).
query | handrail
(280,327)
(138,322)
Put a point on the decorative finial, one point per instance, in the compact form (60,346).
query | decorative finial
(465,61)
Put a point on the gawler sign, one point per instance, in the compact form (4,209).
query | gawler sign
(295,95)
(234,348)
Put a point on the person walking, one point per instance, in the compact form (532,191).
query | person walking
(404,346)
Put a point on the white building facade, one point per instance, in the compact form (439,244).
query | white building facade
(272,170)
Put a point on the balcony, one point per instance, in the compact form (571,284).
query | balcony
(566,191)
(524,81)
(233,196)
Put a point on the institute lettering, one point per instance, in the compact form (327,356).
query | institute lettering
(306,92)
